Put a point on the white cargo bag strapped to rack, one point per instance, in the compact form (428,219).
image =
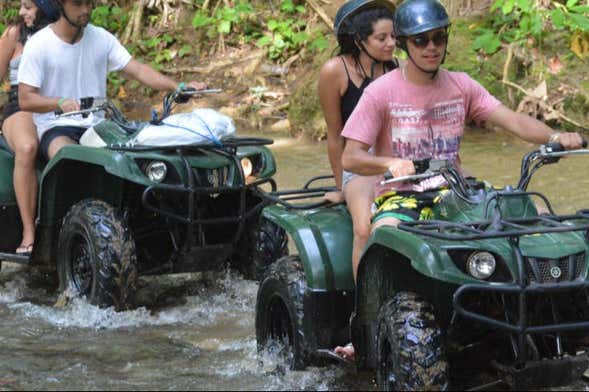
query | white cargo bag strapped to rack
(200,125)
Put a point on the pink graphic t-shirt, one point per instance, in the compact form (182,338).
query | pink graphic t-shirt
(408,121)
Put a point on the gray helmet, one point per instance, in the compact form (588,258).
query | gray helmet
(418,16)
(49,8)
(351,7)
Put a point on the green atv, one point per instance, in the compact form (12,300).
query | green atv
(107,215)
(489,280)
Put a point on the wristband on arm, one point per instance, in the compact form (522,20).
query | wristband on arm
(60,102)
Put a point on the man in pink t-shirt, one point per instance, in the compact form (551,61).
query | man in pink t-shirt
(419,112)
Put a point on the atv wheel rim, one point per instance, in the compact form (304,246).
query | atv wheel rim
(81,265)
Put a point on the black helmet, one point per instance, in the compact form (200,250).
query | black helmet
(49,8)
(351,7)
(417,16)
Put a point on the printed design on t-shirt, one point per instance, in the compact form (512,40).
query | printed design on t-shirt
(422,133)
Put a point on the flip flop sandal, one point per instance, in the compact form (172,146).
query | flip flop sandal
(24,250)
(333,356)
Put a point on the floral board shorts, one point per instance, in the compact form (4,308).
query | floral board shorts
(407,205)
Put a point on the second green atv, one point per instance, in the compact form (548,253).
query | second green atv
(489,278)
(109,214)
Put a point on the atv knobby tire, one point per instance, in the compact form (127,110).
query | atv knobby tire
(410,349)
(280,311)
(265,243)
(96,255)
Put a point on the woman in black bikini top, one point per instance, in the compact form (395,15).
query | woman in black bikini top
(364,30)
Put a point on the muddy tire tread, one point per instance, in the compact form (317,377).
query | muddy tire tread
(407,321)
(266,243)
(287,273)
(114,248)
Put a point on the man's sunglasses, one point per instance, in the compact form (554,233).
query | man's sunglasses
(422,40)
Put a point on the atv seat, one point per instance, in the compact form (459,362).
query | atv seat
(4,145)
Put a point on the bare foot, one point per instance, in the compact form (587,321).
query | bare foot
(346,352)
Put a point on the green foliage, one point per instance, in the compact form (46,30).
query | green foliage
(462,57)
(280,33)
(283,36)
(159,49)
(112,18)
(224,20)
(524,22)
(115,81)
(8,15)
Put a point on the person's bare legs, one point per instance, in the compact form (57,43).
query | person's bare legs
(57,144)
(21,135)
(348,352)
(359,195)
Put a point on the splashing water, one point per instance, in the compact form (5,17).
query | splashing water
(205,338)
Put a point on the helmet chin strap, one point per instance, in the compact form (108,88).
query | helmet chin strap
(79,28)
(375,61)
(432,73)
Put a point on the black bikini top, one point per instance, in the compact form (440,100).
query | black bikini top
(353,93)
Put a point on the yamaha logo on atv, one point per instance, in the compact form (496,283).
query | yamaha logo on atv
(555,272)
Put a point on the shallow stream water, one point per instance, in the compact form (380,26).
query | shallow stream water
(196,331)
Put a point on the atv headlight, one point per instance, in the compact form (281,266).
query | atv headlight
(247,167)
(156,171)
(481,265)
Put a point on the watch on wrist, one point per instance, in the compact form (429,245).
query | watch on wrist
(554,137)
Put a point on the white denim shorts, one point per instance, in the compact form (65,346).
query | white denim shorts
(347,177)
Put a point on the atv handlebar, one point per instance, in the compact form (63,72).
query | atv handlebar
(87,105)
(424,168)
(180,95)
(547,154)
(531,162)
(96,104)
(390,179)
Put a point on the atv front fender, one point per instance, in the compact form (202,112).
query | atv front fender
(427,256)
(323,239)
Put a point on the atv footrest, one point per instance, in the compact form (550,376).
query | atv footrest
(544,373)
(14,258)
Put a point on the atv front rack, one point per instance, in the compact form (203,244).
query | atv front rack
(192,190)
(500,228)
(512,230)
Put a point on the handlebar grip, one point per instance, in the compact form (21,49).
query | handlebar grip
(388,175)
(554,147)
(421,165)
(183,98)
(58,112)
(584,144)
